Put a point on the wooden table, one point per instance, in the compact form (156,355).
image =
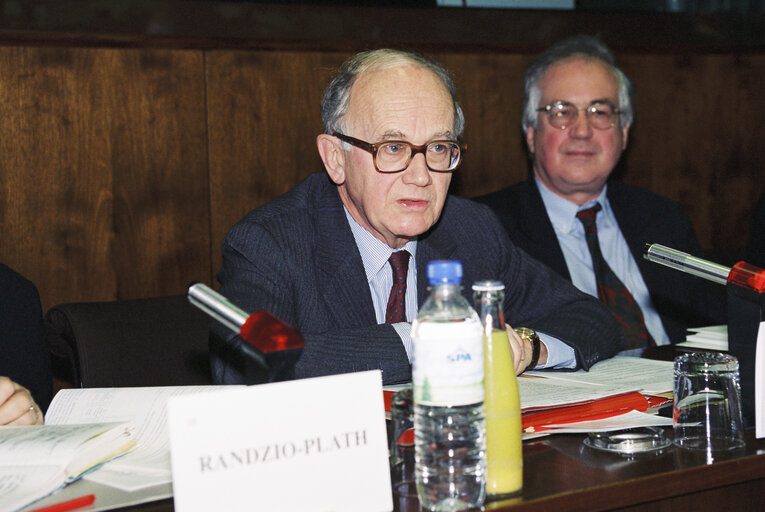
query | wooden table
(561,474)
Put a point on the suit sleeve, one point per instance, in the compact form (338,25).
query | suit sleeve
(261,271)
(537,297)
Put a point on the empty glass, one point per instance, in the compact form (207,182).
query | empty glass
(707,402)
(402,451)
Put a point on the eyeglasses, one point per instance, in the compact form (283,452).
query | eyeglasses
(602,115)
(396,155)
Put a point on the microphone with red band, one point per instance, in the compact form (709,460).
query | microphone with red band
(745,290)
(271,347)
(742,274)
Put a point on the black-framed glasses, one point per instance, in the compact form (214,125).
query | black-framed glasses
(396,155)
(602,115)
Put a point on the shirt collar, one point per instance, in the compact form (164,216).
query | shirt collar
(562,212)
(374,252)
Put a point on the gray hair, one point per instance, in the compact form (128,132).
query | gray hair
(585,47)
(334,104)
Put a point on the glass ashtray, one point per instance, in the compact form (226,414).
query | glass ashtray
(629,441)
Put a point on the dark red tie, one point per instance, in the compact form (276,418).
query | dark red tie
(396,310)
(611,290)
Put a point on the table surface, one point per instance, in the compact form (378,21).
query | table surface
(560,473)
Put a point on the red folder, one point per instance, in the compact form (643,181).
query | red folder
(595,410)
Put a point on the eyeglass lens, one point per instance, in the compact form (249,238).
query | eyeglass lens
(439,155)
(564,114)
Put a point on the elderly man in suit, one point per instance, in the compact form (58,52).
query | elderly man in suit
(319,257)
(577,113)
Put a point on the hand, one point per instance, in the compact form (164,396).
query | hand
(17,406)
(523,351)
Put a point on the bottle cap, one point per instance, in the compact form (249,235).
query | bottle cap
(444,272)
(488,286)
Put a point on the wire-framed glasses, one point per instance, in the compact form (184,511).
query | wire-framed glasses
(602,115)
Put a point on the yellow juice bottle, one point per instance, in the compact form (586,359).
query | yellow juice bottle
(502,403)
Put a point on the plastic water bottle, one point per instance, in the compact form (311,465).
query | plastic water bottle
(502,403)
(447,375)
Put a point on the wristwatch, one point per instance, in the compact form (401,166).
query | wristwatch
(529,334)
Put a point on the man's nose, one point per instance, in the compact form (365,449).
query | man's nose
(417,172)
(581,127)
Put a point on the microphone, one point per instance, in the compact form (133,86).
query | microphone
(271,348)
(742,274)
(745,289)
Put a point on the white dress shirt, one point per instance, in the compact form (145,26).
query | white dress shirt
(570,232)
(374,256)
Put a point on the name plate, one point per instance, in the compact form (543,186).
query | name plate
(759,383)
(311,445)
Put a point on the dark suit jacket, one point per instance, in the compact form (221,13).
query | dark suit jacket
(296,257)
(24,352)
(681,300)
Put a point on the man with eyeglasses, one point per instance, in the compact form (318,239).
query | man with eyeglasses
(342,256)
(577,112)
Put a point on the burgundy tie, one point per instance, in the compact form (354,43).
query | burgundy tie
(611,290)
(396,310)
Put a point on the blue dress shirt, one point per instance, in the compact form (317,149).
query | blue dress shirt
(616,252)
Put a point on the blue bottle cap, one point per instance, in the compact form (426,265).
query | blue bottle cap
(444,272)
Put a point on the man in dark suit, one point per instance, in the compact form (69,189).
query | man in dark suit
(25,373)
(577,112)
(318,256)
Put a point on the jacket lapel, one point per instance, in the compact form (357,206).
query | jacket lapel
(337,262)
(538,229)
(437,244)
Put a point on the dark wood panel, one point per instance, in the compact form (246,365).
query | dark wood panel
(490,87)
(697,138)
(104,174)
(264,118)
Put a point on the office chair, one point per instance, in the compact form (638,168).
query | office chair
(159,341)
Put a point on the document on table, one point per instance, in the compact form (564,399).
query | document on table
(759,383)
(605,378)
(38,460)
(146,408)
(713,337)
(631,419)
(609,396)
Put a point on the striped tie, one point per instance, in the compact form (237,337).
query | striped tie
(611,290)
(396,310)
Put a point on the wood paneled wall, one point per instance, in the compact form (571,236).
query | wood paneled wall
(123,168)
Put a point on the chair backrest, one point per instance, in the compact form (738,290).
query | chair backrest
(160,341)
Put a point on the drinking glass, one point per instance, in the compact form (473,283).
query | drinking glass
(706,413)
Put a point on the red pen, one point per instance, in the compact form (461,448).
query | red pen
(65,506)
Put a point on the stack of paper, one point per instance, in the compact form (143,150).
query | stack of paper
(714,337)
(149,464)
(615,393)
(36,461)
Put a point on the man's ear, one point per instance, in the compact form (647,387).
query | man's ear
(625,132)
(333,156)
(530,132)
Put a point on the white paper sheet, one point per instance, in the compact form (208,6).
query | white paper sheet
(145,407)
(620,374)
(759,383)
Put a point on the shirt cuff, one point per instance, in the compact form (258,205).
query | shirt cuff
(404,331)
(559,355)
